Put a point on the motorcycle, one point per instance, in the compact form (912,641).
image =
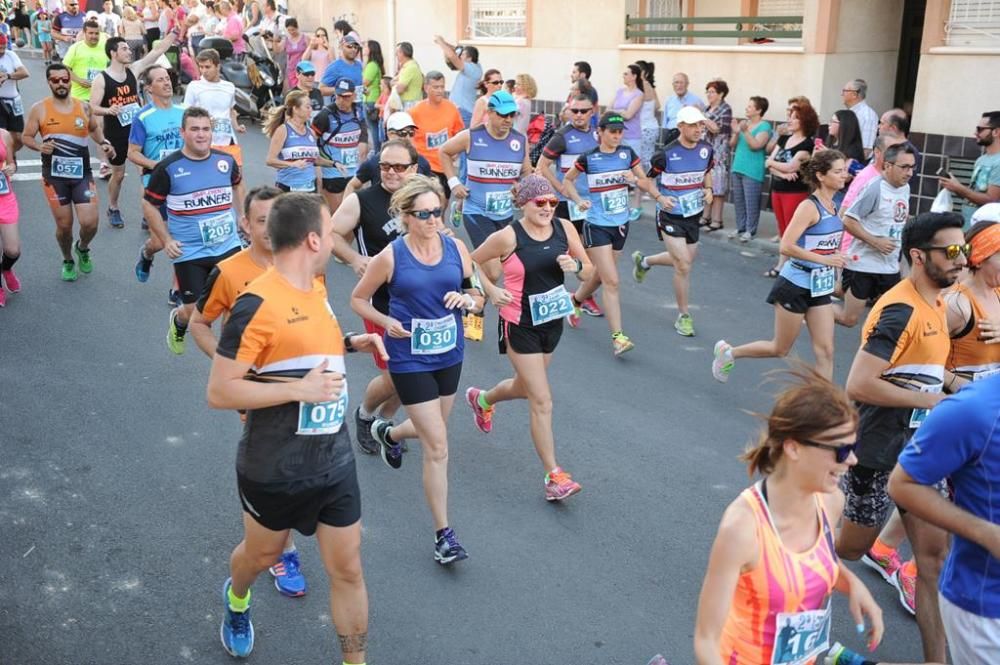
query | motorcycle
(264,73)
(235,71)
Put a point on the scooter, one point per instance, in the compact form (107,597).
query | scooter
(234,71)
(264,73)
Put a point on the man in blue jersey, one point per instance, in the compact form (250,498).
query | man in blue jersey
(342,136)
(347,66)
(201,188)
(155,133)
(683,172)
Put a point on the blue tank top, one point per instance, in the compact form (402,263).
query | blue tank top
(416,291)
(607,184)
(823,238)
(681,175)
(299,146)
(494,165)
(574,143)
(158,131)
(339,140)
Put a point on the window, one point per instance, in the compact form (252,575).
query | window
(498,20)
(656,9)
(781,8)
(973,23)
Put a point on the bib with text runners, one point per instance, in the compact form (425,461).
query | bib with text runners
(127,113)
(918,416)
(549,306)
(800,636)
(216,230)
(66,167)
(222,131)
(575,214)
(499,203)
(430,337)
(615,201)
(322,417)
(821,281)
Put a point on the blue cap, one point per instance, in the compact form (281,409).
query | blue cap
(344,86)
(502,102)
(305,67)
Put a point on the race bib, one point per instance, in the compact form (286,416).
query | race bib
(800,636)
(127,113)
(430,337)
(437,139)
(349,157)
(551,305)
(308,187)
(499,203)
(918,416)
(216,230)
(575,214)
(896,231)
(472,327)
(166,152)
(323,417)
(691,203)
(14,105)
(4,184)
(66,167)
(615,201)
(821,281)
(92,74)
(978,376)
(222,131)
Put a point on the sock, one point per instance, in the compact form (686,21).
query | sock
(8,261)
(482,399)
(364,413)
(881,549)
(909,568)
(440,532)
(388,436)
(289,547)
(238,604)
(644,264)
(181,327)
(81,249)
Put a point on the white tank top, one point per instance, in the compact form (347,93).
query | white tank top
(647,115)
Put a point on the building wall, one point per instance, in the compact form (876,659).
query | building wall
(953,90)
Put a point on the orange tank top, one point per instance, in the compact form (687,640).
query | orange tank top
(780,612)
(69,132)
(971,357)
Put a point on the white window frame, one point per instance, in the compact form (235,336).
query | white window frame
(479,15)
(973,24)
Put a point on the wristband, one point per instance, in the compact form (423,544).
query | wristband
(454,182)
(579,266)
(347,342)
(470,303)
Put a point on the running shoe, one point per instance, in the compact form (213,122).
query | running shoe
(236,630)
(634,214)
(732,235)
(3,297)
(638,272)
(841,655)
(104,172)
(69,273)
(175,341)
(447,548)
(363,426)
(174,298)
(288,579)
(684,325)
(483,417)
(115,219)
(723,362)
(392,453)
(11,281)
(590,307)
(143,266)
(560,485)
(907,587)
(83,256)
(574,318)
(746,237)
(620,343)
(885,565)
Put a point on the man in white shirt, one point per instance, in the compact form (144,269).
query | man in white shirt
(11,106)
(854,94)
(218,97)
(109,21)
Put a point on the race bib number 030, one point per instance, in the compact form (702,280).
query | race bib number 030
(551,305)
(323,417)
(430,337)
(821,281)
(216,230)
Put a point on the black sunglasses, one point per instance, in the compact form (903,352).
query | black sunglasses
(398,168)
(404,133)
(494,83)
(580,111)
(841,452)
(424,215)
(951,252)
(506,115)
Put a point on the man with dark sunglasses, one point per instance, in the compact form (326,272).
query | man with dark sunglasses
(306,82)
(399,126)
(897,376)
(984,185)
(347,66)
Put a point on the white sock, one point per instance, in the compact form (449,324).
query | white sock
(289,547)
(644,264)
(364,412)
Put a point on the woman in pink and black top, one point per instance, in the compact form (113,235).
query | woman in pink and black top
(536,253)
(10,239)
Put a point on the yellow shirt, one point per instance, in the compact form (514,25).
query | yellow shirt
(86,62)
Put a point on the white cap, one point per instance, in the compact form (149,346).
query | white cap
(399,120)
(91,14)
(690,115)
(987,213)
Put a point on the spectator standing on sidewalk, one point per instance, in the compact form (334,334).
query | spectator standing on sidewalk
(748,140)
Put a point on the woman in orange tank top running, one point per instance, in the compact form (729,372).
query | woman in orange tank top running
(765,599)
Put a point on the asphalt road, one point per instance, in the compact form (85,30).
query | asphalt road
(118,507)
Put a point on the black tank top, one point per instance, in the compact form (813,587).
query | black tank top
(124,93)
(375,230)
(533,267)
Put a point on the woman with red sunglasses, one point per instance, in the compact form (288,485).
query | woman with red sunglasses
(535,253)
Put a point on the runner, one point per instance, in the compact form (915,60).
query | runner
(343,139)
(875,219)
(436,120)
(12,70)
(773,566)
(201,189)
(86,59)
(365,214)
(114,94)
(155,133)
(293,149)
(683,172)
(898,374)
(306,82)
(399,126)
(66,26)
(609,169)
(802,291)
(218,97)
(570,141)
(430,279)
(536,253)
(64,124)
(10,238)
(281,357)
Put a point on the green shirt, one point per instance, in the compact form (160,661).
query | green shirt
(985,173)
(413,78)
(86,62)
(746,160)
(372,77)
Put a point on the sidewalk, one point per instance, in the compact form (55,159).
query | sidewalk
(767,228)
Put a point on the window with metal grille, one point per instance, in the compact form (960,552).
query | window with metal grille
(781,7)
(973,23)
(656,9)
(498,20)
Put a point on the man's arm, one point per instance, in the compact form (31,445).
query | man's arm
(97,95)
(31,129)
(865,384)
(449,53)
(139,66)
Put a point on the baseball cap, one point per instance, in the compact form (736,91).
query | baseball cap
(305,67)
(399,120)
(349,39)
(502,102)
(611,120)
(344,87)
(690,115)
(90,15)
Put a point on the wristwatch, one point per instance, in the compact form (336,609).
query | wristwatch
(348,346)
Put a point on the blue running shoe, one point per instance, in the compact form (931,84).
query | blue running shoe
(634,214)
(236,630)
(288,579)
(447,548)
(143,266)
(115,219)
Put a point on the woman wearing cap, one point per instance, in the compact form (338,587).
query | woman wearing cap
(973,307)
(610,169)
(536,253)
(773,566)
(293,150)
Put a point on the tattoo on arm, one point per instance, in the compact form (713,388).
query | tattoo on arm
(353,643)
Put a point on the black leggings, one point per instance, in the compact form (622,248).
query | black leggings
(419,387)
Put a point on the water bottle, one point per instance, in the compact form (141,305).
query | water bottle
(455,212)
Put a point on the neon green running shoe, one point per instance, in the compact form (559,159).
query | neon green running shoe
(684,325)
(69,273)
(620,343)
(638,272)
(175,340)
(83,256)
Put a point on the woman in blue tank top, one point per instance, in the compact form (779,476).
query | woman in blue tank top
(802,290)
(293,150)
(430,283)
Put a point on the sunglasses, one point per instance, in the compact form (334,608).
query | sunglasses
(404,133)
(307,73)
(506,115)
(841,452)
(951,252)
(580,111)
(385,167)
(494,83)
(424,215)
(59,79)
(979,129)
(543,201)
